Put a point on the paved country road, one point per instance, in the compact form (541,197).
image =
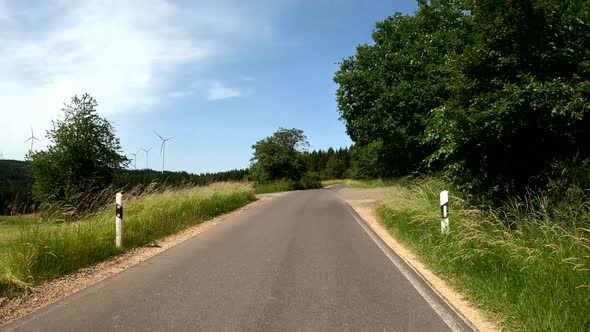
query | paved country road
(300,262)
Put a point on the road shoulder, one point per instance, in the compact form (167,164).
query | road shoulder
(363,202)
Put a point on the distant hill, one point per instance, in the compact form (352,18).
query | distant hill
(15,186)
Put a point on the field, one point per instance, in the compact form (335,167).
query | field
(32,251)
(523,268)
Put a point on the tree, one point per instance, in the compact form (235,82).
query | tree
(520,96)
(335,167)
(279,157)
(82,157)
(367,162)
(387,90)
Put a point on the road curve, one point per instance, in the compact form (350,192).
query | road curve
(299,262)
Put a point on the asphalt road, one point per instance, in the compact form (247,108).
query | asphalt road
(299,262)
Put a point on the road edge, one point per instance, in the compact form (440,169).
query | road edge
(39,297)
(470,316)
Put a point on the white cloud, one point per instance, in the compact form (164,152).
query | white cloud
(217,91)
(124,53)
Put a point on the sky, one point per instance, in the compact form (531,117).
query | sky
(217,75)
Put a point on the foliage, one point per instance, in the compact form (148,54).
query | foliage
(367,161)
(520,96)
(279,157)
(124,178)
(492,91)
(387,90)
(328,164)
(82,157)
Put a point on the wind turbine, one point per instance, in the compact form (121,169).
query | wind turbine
(146,156)
(163,147)
(1,155)
(134,159)
(32,139)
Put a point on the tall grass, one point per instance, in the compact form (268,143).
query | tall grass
(531,270)
(273,187)
(287,185)
(48,250)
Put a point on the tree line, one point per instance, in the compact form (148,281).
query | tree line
(492,94)
(15,186)
(124,178)
(16,183)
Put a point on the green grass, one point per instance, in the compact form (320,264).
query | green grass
(377,183)
(42,251)
(279,186)
(24,219)
(534,275)
(327,183)
(273,187)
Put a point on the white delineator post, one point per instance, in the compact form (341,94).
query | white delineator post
(119,220)
(444,210)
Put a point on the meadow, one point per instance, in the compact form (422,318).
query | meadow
(36,248)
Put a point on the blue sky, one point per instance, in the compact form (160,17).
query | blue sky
(218,75)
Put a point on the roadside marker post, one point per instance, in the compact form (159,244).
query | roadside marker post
(444,211)
(119,220)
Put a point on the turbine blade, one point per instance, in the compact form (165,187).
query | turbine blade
(162,138)
(170,138)
(28,139)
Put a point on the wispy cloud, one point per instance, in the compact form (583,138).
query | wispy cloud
(217,91)
(125,53)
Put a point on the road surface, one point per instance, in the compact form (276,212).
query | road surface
(299,262)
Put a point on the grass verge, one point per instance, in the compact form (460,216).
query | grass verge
(377,183)
(273,187)
(285,185)
(327,183)
(534,273)
(48,250)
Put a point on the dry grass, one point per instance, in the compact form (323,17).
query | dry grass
(532,270)
(46,250)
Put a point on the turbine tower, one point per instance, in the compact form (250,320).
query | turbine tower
(32,139)
(1,155)
(163,147)
(146,156)
(134,159)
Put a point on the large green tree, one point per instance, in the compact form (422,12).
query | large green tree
(82,157)
(520,95)
(387,90)
(280,156)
